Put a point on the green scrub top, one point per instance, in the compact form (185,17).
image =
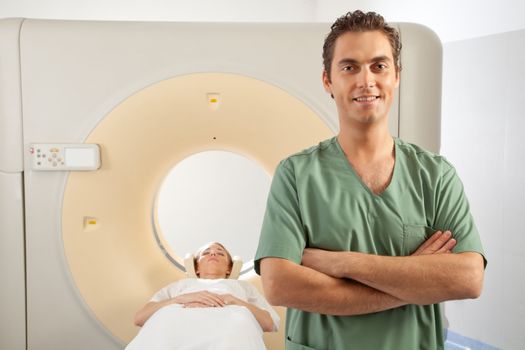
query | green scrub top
(317,200)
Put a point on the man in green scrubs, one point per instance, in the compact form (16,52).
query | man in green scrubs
(365,234)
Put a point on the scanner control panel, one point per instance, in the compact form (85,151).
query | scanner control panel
(65,157)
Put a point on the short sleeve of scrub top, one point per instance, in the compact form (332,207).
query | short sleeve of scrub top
(282,215)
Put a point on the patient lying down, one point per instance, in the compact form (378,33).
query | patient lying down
(210,312)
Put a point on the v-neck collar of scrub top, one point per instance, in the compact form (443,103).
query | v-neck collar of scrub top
(349,166)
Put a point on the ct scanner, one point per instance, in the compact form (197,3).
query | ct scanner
(121,103)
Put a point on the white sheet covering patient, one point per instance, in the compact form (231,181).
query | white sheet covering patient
(210,312)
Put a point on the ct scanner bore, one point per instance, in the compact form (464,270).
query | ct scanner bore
(212,196)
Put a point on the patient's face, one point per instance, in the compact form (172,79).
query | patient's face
(213,262)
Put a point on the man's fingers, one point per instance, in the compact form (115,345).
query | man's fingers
(447,248)
(440,242)
(428,243)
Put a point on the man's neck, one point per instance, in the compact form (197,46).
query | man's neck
(371,143)
(371,154)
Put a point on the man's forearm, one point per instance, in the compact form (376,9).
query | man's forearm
(425,279)
(288,284)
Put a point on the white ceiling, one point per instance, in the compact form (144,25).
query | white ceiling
(451,19)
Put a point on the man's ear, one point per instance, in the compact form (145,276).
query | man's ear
(327,84)
(397,79)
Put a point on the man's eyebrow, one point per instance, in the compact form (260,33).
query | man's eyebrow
(347,61)
(344,61)
(381,58)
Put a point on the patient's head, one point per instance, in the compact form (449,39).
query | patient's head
(213,261)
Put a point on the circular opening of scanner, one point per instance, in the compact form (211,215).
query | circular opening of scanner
(211,196)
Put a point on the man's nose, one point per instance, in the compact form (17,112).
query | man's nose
(366,79)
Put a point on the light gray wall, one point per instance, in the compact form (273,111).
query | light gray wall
(451,19)
(483,127)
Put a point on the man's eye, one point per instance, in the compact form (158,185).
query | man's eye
(220,253)
(348,68)
(381,66)
(205,253)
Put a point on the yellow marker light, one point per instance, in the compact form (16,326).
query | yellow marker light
(90,223)
(214,100)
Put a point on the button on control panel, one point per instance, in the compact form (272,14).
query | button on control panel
(64,157)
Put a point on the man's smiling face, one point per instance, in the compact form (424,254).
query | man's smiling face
(363,77)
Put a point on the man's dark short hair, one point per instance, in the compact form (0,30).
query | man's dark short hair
(359,21)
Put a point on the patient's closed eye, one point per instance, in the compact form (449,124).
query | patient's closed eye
(216,253)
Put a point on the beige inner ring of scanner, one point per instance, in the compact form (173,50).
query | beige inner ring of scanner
(117,265)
